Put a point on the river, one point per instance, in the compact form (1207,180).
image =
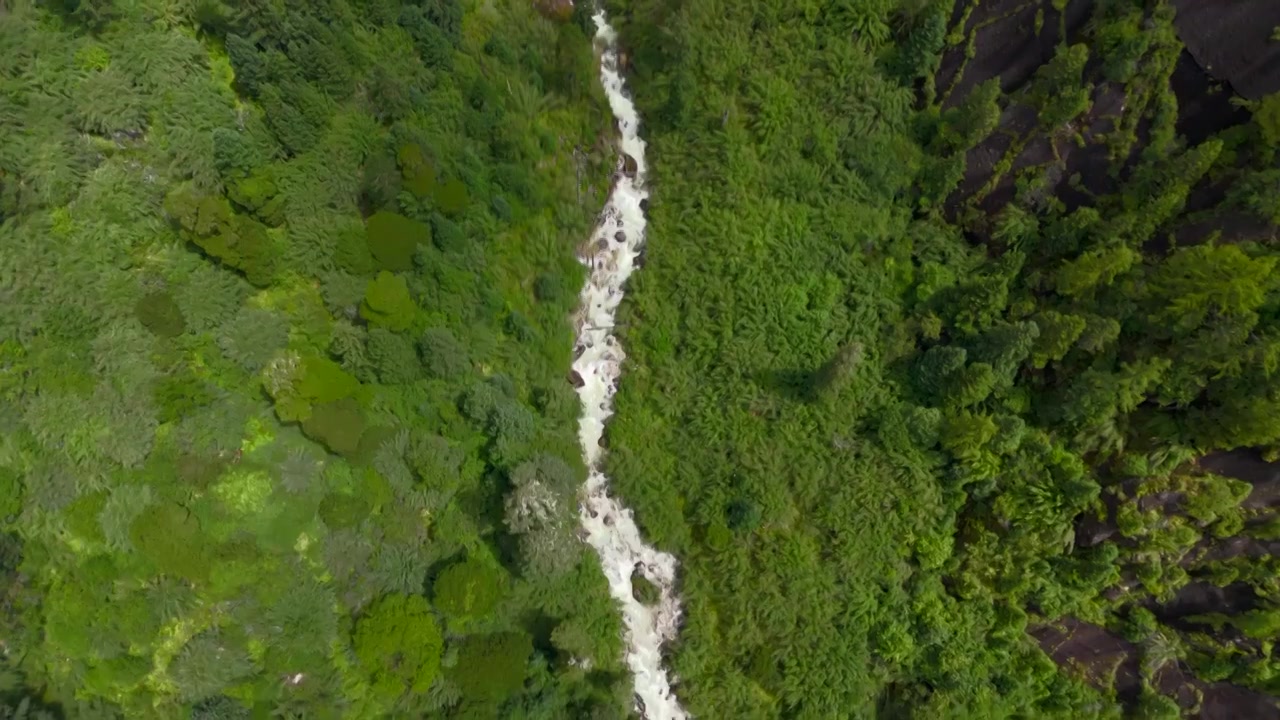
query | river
(609,527)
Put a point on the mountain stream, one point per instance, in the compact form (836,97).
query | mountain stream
(608,526)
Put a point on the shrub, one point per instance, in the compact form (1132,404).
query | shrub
(337,424)
(492,667)
(339,510)
(351,254)
(469,589)
(447,234)
(181,393)
(398,643)
(10,494)
(82,516)
(170,537)
(259,195)
(387,302)
(1268,118)
(160,314)
(394,357)
(418,172)
(451,197)
(645,592)
(323,380)
(393,240)
(443,356)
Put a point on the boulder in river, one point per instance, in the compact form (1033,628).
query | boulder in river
(629,166)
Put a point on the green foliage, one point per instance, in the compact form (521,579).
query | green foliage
(1012,348)
(237,241)
(492,667)
(1058,333)
(469,589)
(159,313)
(198,200)
(1209,280)
(1267,117)
(181,393)
(838,372)
(338,424)
(170,537)
(398,645)
(394,239)
(340,510)
(253,337)
(402,186)
(323,380)
(1216,499)
(1122,42)
(387,303)
(206,664)
(442,355)
(968,123)
(395,357)
(1057,90)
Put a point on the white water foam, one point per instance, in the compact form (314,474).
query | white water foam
(610,527)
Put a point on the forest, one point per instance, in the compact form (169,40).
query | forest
(953,374)
(958,323)
(286,430)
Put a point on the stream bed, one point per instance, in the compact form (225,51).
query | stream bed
(608,526)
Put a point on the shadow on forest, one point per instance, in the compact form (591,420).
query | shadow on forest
(793,384)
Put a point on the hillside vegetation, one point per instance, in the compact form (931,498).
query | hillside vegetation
(285,424)
(953,368)
(886,368)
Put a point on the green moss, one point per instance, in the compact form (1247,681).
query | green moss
(644,591)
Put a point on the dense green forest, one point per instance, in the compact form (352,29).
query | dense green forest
(283,347)
(939,367)
(893,353)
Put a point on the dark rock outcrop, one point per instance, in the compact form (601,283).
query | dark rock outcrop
(1231,40)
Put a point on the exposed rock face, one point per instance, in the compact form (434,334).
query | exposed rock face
(1249,466)
(1105,657)
(1011,45)
(1231,40)
(1008,47)
(1201,598)
(1229,51)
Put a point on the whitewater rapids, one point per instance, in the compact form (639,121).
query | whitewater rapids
(608,526)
